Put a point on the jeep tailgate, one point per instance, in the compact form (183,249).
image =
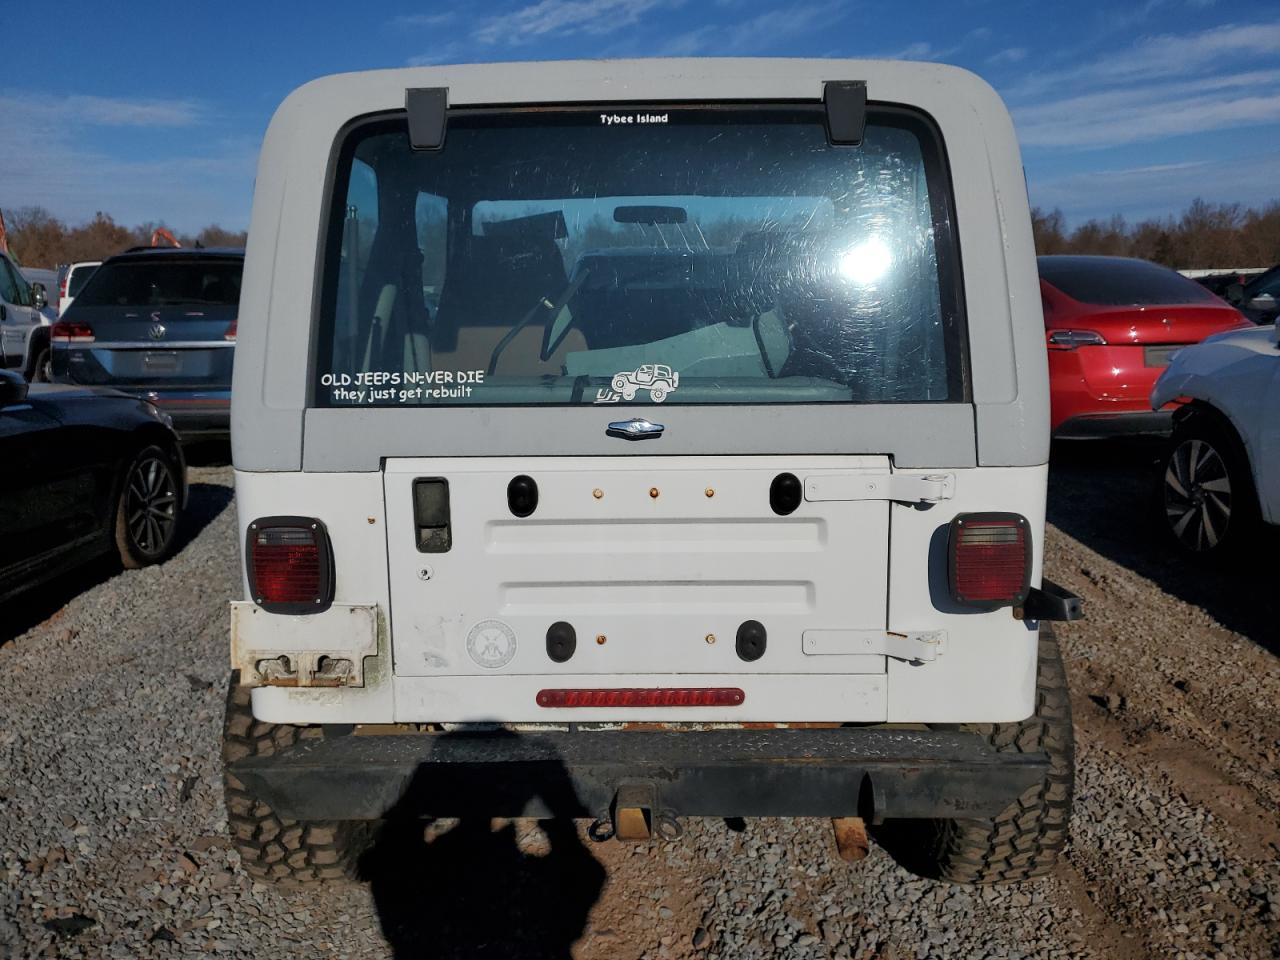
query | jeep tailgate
(654,562)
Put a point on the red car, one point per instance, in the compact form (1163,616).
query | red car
(1112,324)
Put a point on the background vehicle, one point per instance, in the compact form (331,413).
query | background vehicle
(71,279)
(86,472)
(1111,324)
(786,246)
(48,281)
(159,323)
(24,329)
(1220,476)
(1259,299)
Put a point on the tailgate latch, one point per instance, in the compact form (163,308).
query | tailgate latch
(899,487)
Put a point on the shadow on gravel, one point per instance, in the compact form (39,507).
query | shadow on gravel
(471,891)
(205,502)
(1102,494)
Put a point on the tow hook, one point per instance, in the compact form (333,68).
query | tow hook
(635,816)
(851,838)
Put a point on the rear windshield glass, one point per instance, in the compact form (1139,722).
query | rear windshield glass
(79,277)
(678,255)
(155,283)
(1118,282)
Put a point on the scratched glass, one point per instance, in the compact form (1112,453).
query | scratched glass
(713,256)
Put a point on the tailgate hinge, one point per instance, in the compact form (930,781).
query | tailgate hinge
(899,487)
(917,646)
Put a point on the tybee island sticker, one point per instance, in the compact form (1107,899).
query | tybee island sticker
(491,643)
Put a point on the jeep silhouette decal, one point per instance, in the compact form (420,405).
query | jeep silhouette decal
(658,378)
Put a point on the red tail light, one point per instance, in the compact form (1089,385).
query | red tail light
(1071,339)
(231,331)
(65,331)
(290,564)
(642,697)
(990,565)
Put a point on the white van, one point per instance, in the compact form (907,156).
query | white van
(641,440)
(71,280)
(24,329)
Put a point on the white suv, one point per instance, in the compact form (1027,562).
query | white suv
(813,590)
(1220,476)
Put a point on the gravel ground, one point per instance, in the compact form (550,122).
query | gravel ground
(114,841)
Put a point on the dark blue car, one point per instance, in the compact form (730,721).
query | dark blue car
(87,471)
(159,323)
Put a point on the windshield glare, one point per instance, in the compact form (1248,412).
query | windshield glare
(719,256)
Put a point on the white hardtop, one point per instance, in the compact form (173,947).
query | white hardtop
(1005,424)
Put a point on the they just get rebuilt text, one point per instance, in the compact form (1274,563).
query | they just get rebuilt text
(381,385)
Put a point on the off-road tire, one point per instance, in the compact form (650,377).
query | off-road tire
(1024,840)
(273,847)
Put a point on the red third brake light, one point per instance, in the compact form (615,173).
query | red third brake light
(65,331)
(990,563)
(289,565)
(642,697)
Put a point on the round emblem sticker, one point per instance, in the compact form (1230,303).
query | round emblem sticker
(491,644)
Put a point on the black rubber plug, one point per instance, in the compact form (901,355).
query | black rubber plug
(752,639)
(522,495)
(785,494)
(562,641)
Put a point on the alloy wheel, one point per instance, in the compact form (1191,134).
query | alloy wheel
(1197,495)
(151,505)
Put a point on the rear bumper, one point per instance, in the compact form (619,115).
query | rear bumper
(1129,424)
(873,772)
(1099,381)
(203,413)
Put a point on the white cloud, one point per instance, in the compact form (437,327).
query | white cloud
(563,18)
(1137,113)
(208,181)
(1159,57)
(1154,190)
(414,20)
(82,109)
(920,50)
(759,34)
(1157,88)
(1008,55)
(451,52)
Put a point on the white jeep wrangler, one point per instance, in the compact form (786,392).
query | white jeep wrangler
(813,591)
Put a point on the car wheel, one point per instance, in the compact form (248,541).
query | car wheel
(147,513)
(1206,499)
(42,370)
(658,394)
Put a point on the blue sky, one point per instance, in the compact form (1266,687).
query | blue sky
(158,113)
